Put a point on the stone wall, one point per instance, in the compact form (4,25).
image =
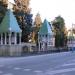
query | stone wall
(10,50)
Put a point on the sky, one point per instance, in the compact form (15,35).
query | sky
(12,1)
(50,9)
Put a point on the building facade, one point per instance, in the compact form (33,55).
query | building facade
(46,39)
(10,34)
(71,40)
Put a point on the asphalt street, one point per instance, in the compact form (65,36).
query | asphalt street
(48,64)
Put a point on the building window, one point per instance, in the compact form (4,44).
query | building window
(50,43)
(46,35)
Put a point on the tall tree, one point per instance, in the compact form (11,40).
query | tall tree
(38,20)
(59,26)
(37,24)
(24,17)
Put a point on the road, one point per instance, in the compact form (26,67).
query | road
(49,64)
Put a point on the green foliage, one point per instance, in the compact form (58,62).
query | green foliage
(59,23)
(36,34)
(60,37)
(25,22)
(3,9)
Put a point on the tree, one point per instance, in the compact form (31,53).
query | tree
(3,8)
(37,24)
(59,26)
(28,27)
(38,21)
(24,17)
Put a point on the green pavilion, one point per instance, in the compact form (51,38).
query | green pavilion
(46,38)
(10,34)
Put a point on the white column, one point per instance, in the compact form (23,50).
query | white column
(5,39)
(9,38)
(19,38)
(39,46)
(48,40)
(48,36)
(1,38)
(43,46)
(15,38)
(30,48)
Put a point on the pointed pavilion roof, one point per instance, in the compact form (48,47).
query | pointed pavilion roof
(71,35)
(45,28)
(9,23)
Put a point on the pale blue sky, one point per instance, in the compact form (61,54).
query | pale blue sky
(49,9)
